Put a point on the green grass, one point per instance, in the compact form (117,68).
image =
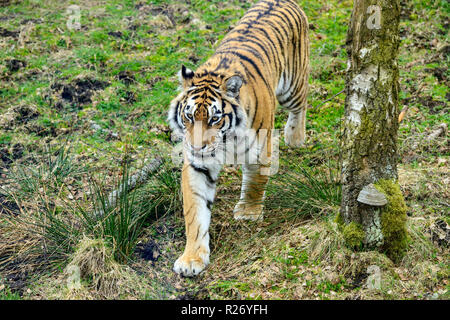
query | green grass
(7,294)
(290,260)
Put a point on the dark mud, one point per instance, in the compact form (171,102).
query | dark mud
(79,92)
(434,106)
(127,77)
(115,34)
(15,65)
(440,233)
(9,154)
(8,33)
(42,131)
(439,73)
(31,20)
(149,251)
(8,207)
(25,114)
(18,273)
(129,97)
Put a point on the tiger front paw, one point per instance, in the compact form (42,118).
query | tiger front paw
(246,211)
(191,265)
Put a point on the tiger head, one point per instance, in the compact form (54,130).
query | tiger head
(207,111)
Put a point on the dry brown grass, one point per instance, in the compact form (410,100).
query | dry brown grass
(249,266)
(100,276)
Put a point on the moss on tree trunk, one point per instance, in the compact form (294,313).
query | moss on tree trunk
(369,144)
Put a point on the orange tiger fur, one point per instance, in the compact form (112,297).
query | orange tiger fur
(262,61)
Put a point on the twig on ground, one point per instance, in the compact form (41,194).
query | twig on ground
(329,99)
(440,130)
(137,179)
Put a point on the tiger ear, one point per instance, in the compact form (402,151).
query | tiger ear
(233,85)
(186,75)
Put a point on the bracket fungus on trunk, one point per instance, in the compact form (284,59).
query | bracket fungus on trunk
(371,196)
(372,200)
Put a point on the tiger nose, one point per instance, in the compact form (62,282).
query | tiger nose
(195,148)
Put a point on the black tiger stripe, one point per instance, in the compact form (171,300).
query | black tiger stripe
(205,172)
(262,46)
(198,232)
(253,64)
(237,119)
(292,16)
(256,105)
(207,201)
(267,37)
(281,43)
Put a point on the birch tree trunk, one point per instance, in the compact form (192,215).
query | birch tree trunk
(369,145)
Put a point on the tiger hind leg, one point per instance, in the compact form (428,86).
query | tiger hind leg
(294,99)
(250,205)
(295,128)
(255,175)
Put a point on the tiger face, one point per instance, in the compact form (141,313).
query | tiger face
(207,112)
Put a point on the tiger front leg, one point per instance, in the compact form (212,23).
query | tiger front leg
(198,187)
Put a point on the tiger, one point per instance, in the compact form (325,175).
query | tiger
(262,61)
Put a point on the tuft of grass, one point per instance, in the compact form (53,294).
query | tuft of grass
(94,259)
(60,223)
(92,273)
(305,191)
(122,224)
(54,167)
(325,241)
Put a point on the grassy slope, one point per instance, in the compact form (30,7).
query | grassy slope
(130,51)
